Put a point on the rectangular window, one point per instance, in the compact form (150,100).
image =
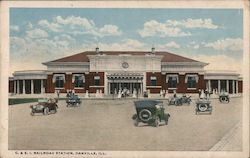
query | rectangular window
(153,81)
(172,82)
(191,82)
(79,81)
(97,80)
(59,82)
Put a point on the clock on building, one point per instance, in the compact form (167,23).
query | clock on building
(125,65)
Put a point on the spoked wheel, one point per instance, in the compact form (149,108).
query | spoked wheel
(46,111)
(157,121)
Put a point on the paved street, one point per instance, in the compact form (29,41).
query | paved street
(107,125)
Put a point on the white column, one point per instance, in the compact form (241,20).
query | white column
(228,86)
(237,90)
(24,87)
(14,86)
(31,86)
(18,88)
(209,85)
(233,86)
(218,86)
(42,90)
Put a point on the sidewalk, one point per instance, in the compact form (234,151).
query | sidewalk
(232,141)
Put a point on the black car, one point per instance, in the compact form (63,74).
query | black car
(44,106)
(150,112)
(203,106)
(73,100)
(224,98)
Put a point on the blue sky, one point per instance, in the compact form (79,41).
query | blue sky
(209,35)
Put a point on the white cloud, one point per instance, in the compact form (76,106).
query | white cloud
(193,45)
(75,21)
(168,45)
(220,62)
(155,28)
(172,44)
(124,45)
(29,25)
(193,23)
(51,26)
(109,30)
(14,28)
(228,44)
(37,33)
(80,25)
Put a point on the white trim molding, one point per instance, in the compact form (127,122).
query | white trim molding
(58,75)
(172,75)
(192,75)
(79,75)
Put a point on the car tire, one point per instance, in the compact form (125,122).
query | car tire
(203,107)
(145,111)
(46,111)
(32,113)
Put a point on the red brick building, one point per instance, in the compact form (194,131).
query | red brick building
(111,71)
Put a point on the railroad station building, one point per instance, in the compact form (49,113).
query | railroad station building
(110,71)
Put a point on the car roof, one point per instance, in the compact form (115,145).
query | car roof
(146,103)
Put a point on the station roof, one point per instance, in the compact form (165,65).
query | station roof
(83,57)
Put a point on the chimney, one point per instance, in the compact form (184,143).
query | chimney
(97,50)
(153,50)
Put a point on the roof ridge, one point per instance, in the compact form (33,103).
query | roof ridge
(83,56)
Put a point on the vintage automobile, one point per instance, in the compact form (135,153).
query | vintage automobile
(224,98)
(44,106)
(73,100)
(180,100)
(186,99)
(150,112)
(203,106)
(175,101)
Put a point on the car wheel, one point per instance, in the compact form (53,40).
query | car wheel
(203,107)
(32,113)
(46,111)
(157,121)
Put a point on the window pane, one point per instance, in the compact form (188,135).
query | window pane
(97,80)
(191,83)
(172,82)
(59,82)
(79,81)
(153,81)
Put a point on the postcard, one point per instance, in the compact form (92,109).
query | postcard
(124,79)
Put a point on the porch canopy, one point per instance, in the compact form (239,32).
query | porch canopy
(125,77)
